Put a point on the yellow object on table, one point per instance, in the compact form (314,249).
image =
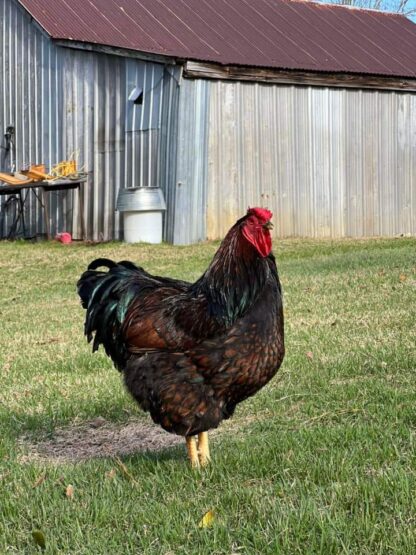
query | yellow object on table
(64,169)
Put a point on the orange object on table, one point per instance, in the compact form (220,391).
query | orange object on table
(37,172)
(10,179)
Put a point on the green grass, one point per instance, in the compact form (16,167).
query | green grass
(321,461)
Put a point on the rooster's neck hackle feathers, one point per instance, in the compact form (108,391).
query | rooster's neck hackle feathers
(234,278)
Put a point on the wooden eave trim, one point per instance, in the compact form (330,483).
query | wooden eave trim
(239,73)
(115,51)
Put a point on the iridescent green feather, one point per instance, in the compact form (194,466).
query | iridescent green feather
(124,304)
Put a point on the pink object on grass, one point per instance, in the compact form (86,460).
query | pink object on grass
(64,237)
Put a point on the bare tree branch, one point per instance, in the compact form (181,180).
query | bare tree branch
(405,7)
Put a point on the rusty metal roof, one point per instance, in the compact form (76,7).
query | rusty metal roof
(284,34)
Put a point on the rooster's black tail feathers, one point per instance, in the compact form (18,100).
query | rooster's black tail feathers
(106,296)
(99,262)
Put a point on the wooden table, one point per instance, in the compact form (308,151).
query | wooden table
(45,187)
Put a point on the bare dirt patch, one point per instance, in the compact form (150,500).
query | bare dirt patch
(99,438)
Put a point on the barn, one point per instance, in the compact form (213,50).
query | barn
(306,108)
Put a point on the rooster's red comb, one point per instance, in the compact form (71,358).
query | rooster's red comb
(261,213)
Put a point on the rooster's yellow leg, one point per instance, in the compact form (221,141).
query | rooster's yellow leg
(192,451)
(203,448)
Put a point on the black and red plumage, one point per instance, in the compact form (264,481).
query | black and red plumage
(190,352)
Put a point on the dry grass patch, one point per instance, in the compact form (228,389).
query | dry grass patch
(97,438)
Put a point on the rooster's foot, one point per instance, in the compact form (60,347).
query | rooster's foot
(203,449)
(192,451)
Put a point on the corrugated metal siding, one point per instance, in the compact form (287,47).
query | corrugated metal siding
(123,142)
(168,146)
(327,162)
(64,102)
(192,168)
(94,117)
(30,96)
(143,123)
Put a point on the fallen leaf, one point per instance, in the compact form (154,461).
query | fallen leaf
(39,538)
(309,354)
(402,278)
(69,492)
(207,520)
(40,480)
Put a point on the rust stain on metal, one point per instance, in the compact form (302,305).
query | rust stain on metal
(283,34)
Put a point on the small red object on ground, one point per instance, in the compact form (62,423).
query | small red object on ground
(64,237)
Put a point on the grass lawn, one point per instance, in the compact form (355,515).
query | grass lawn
(322,460)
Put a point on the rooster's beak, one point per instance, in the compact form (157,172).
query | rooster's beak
(268,225)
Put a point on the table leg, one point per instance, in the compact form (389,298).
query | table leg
(22,212)
(81,212)
(46,212)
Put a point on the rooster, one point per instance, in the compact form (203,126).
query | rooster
(190,352)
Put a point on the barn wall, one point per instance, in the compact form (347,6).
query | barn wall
(192,163)
(328,162)
(94,110)
(119,143)
(30,99)
(67,102)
